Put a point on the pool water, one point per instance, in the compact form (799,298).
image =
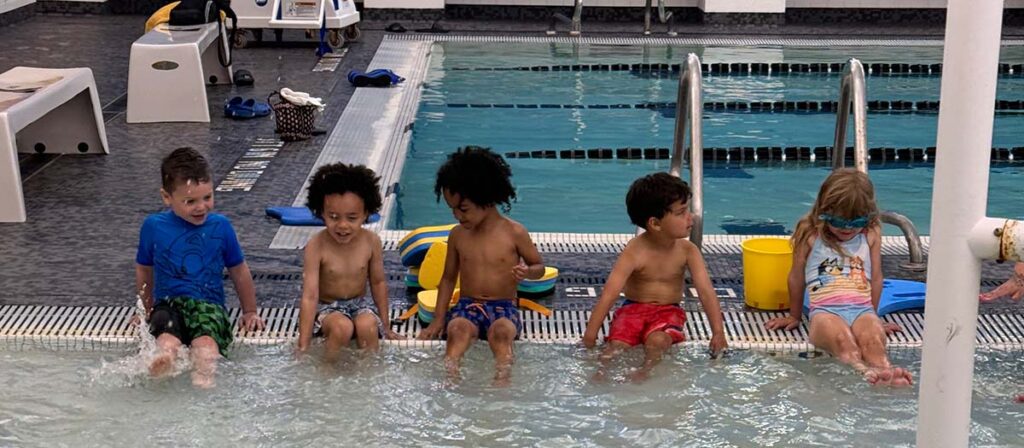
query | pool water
(559,195)
(264,397)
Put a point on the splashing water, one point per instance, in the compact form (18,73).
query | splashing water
(133,369)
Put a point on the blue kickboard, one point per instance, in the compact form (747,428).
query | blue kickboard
(302,216)
(897,295)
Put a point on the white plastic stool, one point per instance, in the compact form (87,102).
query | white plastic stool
(168,70)
(44,110)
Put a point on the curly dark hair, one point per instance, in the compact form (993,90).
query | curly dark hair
(183,165)
(339,178)
(652,195)
(477,174)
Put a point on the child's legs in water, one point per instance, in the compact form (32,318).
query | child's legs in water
(871,339)
(367,331)
(655,346)
(204,352)
(461,334)
(167,351)
(337,329)
(829,332)
(501,336)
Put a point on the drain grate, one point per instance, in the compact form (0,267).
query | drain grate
(97,328)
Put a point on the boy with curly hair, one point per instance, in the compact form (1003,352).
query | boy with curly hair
(339,261)
(489,252)
(652,270)
(180,263)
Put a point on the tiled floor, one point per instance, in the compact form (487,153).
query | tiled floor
(78,245)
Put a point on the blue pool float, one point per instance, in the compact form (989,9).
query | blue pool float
(303,216)
(381,77)
(897,295)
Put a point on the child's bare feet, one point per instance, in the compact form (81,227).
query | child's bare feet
(503,376)
(161,365)
(892,376)
(452,367)
(640,375)
(202,380)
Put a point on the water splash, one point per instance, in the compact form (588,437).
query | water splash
(133,369)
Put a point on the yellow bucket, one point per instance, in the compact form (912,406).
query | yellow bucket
(766,265)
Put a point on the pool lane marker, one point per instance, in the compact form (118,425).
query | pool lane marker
(668,108)
(760,153)
(741,68)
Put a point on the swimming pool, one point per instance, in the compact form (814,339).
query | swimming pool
(528,97)
(399,398)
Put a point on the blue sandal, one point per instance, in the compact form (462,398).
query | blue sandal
(238,108)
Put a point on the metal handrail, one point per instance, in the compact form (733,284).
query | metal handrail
(576,22)
(690,109)
(664,16)
(577,19)
(853,92)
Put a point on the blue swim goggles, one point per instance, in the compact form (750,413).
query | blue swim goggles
(843,223)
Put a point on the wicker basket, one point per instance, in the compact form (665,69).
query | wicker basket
(293,122)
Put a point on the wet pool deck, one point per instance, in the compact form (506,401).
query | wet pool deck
(84,211)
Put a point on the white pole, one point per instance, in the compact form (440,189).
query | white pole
(960,192)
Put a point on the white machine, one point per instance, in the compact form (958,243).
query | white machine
(338,17)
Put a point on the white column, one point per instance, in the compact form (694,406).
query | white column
(969,69)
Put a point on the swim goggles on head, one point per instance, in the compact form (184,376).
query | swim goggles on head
(843,223)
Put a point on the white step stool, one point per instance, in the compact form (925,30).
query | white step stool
(168,70)
(44,110)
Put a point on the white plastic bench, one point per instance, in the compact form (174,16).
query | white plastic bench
(44,110)
(168,70)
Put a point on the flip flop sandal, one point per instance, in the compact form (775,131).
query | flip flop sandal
(395,28)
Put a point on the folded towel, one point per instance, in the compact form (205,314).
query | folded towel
(300,98)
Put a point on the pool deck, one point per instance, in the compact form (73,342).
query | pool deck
(84,211)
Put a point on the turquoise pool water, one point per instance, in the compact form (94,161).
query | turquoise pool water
(558,195)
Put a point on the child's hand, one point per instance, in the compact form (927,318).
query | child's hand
(1013,287)
(391,335)
(589,340)
(788,323)
(717,344)
(891,328)
(251,322)
(520,271)
(433,331)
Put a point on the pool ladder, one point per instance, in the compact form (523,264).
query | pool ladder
(575,22)
(663,17)
(690,110)
(853,92)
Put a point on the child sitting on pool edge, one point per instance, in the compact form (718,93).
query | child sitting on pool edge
(340,259)
(837,260)
(180,263)
(652,270)
(489,252)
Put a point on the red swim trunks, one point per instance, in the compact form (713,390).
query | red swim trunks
(633,322)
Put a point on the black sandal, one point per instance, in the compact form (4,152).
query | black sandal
(395,28)
(243,78)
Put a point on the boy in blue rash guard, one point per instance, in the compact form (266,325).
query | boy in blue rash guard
(179,265)
(490,252)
